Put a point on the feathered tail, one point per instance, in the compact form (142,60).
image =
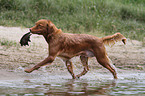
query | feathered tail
(111,40)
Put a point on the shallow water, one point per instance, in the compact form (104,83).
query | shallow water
(92,84)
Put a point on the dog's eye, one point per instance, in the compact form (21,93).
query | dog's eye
(40,25)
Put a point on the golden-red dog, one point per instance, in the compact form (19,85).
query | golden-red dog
(66,46)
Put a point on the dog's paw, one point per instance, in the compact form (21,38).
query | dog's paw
(77,77)
(28,70)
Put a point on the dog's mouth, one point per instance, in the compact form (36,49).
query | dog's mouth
(35,32)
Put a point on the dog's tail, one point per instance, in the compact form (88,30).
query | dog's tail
(111,40)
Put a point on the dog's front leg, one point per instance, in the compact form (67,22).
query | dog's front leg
(70,68)
(48,60)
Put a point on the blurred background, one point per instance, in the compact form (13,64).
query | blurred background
(79,16)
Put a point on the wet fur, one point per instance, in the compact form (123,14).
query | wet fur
(66,46)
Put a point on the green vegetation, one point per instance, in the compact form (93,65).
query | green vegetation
(7,43)
(79,16)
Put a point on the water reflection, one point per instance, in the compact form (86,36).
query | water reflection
(55,85)
(68,88)
(73,87)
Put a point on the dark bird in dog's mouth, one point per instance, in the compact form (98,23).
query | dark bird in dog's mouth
(25,39)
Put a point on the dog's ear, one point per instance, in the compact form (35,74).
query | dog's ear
(50,26)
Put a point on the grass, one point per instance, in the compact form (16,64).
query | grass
(79,16)
(8,43)
(5,42)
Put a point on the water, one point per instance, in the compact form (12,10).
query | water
(92,84)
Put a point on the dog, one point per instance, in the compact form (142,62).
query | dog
(67,45)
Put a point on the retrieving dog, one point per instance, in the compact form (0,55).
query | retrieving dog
(66,46)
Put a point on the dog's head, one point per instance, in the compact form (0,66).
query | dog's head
(43,27)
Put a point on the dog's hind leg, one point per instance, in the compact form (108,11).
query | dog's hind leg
(103,59)
(70,68)
(104,62)
(84,61)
